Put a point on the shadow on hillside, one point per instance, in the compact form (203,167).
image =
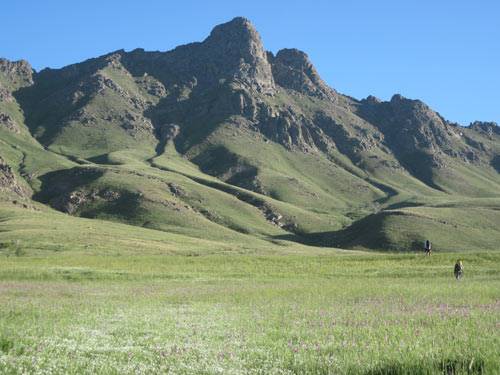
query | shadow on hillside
(357,234)
(74,191)
(398,205)
(57,183)
(45,118)
(368,232)
(495,163)
(103,159)
(389,191)
(420,165)
(220,162)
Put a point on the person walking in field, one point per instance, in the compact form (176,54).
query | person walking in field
(459,269)
(428,247)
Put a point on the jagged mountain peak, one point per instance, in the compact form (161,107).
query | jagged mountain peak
(78,71)
(398,100)
(370,99)
(237,48)
(16,73)
(418,114)
(292,69)
(12,67)
(238,27)
(488,127)
(402,106)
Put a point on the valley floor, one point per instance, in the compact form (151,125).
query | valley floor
(327,312)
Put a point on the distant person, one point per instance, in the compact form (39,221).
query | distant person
(459,269)
(428,247)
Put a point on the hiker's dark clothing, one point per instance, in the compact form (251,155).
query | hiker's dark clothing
(428,247)
(459,269)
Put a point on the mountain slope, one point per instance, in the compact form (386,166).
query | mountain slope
(221,139)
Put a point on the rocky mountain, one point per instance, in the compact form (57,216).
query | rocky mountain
(220,138)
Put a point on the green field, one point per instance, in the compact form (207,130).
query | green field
(145,301)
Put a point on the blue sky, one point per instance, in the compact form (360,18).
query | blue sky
(444,52)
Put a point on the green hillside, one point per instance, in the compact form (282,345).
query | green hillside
(222,141)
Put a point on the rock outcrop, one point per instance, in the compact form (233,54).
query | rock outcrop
(73,201)
(8,181)
(7,122)
(16,73)
(236,51)
(488,128)
(5,95)
(293,70)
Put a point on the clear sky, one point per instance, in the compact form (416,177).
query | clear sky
(444,52)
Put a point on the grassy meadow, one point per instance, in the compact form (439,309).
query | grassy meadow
(148,302)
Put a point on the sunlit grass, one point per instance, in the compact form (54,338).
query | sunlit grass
(294,314)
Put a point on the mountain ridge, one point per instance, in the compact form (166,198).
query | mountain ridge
(188,133)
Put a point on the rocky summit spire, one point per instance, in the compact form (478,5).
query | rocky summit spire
(16,73)
(237,46)
(293,70)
